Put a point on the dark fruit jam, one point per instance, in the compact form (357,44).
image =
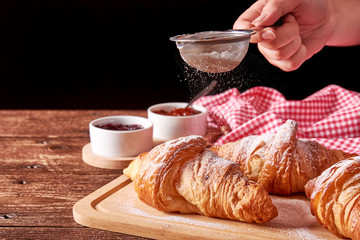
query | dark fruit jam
(119,126)
(188,111)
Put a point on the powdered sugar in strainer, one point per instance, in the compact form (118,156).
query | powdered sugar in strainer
(214,51)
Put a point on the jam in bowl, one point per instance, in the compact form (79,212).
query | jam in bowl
(120,136)
(173,120)
(120,126)
(186,111)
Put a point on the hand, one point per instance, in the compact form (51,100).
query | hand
(307,27)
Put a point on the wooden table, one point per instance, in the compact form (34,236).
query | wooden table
(43,175)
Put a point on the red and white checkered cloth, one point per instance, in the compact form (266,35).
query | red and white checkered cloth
(330,116)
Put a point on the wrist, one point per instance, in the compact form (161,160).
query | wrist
(344,23)
(333,21)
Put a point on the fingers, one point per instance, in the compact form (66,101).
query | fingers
(264,35)
(286,51)
(273,10)
(292,63)
(281,46)
(264,13)
(245,21)
(276,37)
(285,34)
(246,18)
(282,53)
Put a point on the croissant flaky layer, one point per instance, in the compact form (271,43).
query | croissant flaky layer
(182,176)
(335,198)
(280,162)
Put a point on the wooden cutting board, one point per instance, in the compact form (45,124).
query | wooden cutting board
(116,207)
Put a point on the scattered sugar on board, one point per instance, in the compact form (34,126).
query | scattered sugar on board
(293,213)
(293,222)
(294,219)
(305,234)
(120,203)
(174,217)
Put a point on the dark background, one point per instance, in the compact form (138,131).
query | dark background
(105,54)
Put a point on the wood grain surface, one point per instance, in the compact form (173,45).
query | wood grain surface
(116,207)
(42,174)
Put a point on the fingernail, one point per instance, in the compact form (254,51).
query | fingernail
(268,35)
(259,19)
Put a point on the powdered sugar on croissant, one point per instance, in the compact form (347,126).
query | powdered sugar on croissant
(182,176)
(280,162)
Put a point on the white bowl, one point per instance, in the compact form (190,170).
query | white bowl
(125,143)
(172,127)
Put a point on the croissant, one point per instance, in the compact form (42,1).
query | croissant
(280,162)
(181,175)
(335,198)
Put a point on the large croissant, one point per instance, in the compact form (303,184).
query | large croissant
(335,198)
(182,176)
(280,162)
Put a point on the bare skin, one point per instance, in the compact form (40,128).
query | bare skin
(308,26)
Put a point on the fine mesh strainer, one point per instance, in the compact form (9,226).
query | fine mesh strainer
(214,51)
